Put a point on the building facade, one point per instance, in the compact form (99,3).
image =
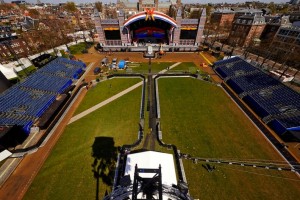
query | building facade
(149,26)
(273,23)
(222,17)
(246,30)
(13,49)
(286,43)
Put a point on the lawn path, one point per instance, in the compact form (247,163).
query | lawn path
(103,103)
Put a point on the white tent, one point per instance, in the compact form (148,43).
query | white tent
(9,73)
(4,154)
(152,160)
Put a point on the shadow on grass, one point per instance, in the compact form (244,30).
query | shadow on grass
(104,153)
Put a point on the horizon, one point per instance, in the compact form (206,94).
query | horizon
(114,1)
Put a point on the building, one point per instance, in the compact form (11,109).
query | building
(294,2)
(246,11)
(149,175)
(294,16)
(13,49)
(286,43)
(273,23)
(6,33)
(151,27)
(222,17)
(246,30)
(18,2)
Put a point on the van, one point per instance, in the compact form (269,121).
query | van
(97,70)
(104,62)
(114,61)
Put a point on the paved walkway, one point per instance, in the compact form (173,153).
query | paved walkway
(103,103)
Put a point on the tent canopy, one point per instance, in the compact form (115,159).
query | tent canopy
(122,64)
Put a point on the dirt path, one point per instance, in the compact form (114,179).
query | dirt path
(94,56)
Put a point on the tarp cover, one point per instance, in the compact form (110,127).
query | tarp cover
(152,160)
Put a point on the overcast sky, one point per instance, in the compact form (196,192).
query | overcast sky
(184,1)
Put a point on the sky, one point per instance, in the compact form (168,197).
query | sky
(184,1)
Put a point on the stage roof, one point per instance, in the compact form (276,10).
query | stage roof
(152,160)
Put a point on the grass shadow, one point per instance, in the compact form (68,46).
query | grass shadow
(104,153)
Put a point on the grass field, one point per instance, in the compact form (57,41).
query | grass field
(104,90)
(202,121)
(196,116)
(186,66)
(26,72)
(82,162)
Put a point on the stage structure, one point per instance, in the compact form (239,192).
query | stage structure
(149,175)
(135,32)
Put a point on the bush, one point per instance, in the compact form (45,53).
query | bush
(84,51)
(220,57)
(78,48)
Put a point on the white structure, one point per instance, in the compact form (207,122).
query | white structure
(152,160)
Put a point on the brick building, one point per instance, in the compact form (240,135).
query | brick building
(13,49)
(246,30)
(222,17)
(286,43)
(273,23)
(152,27)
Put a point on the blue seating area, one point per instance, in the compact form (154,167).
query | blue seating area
(41,81)
(24,102)
(276,101)
(251,82)
(70,62)
(281,124)
(223,62)
(20,101)
(233,67)
(64,68)
(267,97)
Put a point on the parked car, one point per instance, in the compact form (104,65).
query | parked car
(97,70)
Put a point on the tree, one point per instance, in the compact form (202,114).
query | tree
(99,6)
(272,7)
(34,13)
(208,10)
(70,7)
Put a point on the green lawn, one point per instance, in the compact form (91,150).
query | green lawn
(87,151)
(26,72)
(78,48)
(202,121)
(186,66)
(105,90)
